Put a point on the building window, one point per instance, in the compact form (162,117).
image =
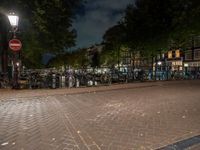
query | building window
(197,54)
(188,55)
(170,55)
(177,53)
(197,41)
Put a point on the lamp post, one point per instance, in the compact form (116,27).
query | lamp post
(15,46)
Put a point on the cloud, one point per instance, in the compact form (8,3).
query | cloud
(109,4)
(98,17)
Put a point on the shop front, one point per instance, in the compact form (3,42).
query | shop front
(192,63)
(174,69)
(192,69)
(174,64)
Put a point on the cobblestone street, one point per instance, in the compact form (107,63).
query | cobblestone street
(138,116)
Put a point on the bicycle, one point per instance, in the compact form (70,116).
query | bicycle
(4,82)
(105,78)
(70,79)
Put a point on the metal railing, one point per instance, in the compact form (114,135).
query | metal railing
(52,78)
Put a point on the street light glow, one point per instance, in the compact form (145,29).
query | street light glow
(159,63)
(13,19)
(186,65)
(17,64)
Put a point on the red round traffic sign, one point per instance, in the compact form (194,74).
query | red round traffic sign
(15,45)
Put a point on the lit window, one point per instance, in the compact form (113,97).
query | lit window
(177,53)
(170,54)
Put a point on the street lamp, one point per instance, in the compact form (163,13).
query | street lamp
(14,20)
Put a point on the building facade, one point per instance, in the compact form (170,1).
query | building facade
(192,62)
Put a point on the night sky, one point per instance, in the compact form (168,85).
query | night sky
(96,17)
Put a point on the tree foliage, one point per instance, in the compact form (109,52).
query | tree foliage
(95,60)
(46,26)
(151,25)
(76,59)
(113,39)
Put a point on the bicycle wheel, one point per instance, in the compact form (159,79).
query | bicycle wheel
(105,79)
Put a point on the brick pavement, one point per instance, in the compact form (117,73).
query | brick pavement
(123,117)
(8,93)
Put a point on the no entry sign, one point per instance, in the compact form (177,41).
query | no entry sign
(15,45)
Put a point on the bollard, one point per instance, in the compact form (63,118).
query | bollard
(53,81)
(90,83)
(77,83)
(95,83)
(62,81)
(70,82)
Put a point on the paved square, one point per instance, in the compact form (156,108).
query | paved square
(139,116)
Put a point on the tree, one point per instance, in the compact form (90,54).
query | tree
(48,23)
(95,59)
(113,38)
(185,22)
(76,59)
(82,58)
(32,52)
(4,42)
(149,27)
(151,24)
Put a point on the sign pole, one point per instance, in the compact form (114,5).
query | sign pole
(15,82)
(15,45)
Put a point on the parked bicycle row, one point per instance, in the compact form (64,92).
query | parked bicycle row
(69,78)
(52,78)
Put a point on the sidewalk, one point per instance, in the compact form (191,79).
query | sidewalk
(10,93)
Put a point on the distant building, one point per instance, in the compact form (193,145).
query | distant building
(174,60)
(192,59)
(192,56)
(94,51)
